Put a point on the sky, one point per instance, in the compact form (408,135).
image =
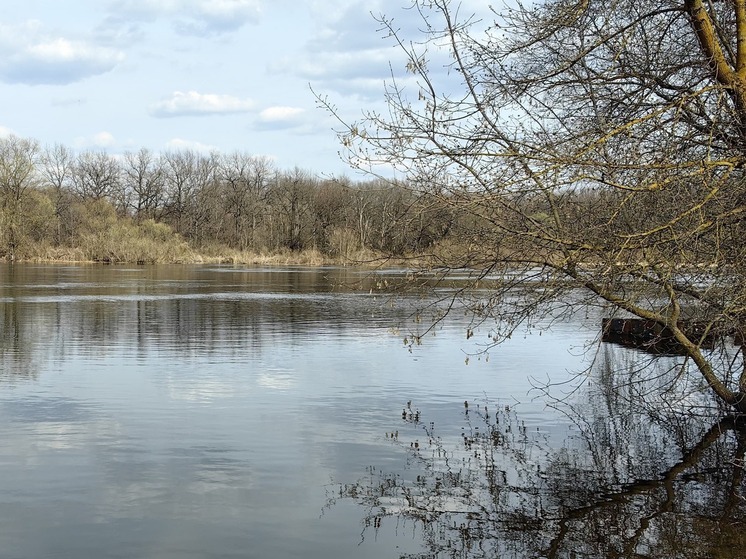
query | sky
(210,75)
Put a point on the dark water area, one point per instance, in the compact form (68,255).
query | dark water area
(211,411)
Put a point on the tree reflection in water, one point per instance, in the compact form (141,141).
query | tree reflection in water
(628,481)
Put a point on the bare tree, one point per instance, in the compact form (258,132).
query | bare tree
(57,171)
(591,144)
(97,175)
(245,180)
(390,210)
(145,178)
(292,196)
(188,177)
(18,157)
(261,171)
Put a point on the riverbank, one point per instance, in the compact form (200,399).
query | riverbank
(209,255)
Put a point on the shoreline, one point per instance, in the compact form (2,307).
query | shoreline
(309,258)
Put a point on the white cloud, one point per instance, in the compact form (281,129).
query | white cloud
(275,114)
(99,141)
(29,54)
(352,54)
(192,103)
(361,73)
(193,17)
(227,14)
(280,117)
(347,53)
(349,27)
(5,132)
(179,144)
(79,40)
(104,139)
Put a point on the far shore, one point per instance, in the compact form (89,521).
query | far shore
(310,258)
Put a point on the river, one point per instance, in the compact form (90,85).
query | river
(220,411)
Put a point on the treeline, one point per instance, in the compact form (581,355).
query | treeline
(160,206)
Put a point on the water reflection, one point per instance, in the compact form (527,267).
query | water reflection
(56,312)
(176,411)
(197,411)
(626,480)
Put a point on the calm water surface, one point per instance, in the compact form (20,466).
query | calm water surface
(168,412)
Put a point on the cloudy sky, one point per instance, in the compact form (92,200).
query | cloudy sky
(118,75)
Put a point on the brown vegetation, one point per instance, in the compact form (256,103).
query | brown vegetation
(185,206)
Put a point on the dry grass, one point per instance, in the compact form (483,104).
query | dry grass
(45,253)
(147,252)
(145,243)
(285,257)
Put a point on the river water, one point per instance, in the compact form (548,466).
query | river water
(214,411)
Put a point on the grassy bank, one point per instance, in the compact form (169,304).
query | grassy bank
(100,235)
(150,253)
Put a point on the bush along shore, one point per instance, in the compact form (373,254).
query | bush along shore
(185,206)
